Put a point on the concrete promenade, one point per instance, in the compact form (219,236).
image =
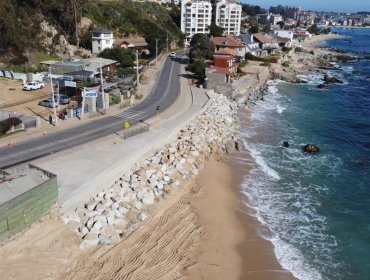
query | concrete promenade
(88,169)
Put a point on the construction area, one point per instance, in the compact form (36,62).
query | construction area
(27,193)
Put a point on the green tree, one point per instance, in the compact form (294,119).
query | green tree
(123,56)
(253,29)
(198,68)
(215,30)
(201,47)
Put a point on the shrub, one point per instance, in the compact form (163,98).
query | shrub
(285,64)
(7,124)
(298,49)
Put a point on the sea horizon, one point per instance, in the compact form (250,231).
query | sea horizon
(315,207)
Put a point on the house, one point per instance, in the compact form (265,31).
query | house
(284,33)
(107,65)
(137,43)
(196,16)
(102,39)
(281,41)
(223,68)
(265,43)
(228,16)
(275,18)
(229,42)
(252,46)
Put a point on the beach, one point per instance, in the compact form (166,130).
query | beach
(200,231)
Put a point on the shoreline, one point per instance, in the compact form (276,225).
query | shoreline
(243,253)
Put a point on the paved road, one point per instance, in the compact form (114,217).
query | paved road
(164,94)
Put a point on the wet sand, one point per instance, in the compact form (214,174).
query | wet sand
(229,246)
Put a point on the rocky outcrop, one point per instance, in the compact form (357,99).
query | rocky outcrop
(311,149)
(330,79)
(114,213)
(323,86)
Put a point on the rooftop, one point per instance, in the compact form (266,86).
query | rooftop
(227,41)
(102,31)
(20,179)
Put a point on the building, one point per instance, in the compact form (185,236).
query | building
(274,19)
(284,33)
(196,17)
(102,39)
(252,47)
(228,16)
(266,43)
(223,68)
(27,193)
(229,42)
(137,43)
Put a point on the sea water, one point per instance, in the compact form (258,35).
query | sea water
(316,207)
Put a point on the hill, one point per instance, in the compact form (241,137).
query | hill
(37,28)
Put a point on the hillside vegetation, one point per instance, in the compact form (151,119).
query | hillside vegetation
(22,35)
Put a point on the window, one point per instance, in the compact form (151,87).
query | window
(107,41)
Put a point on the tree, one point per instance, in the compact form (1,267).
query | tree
(198,68)
(76,5)
(123,56)
(215,30)
(201,47)
(253,29)
(281,24)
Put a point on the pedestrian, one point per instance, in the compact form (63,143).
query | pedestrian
(50,119)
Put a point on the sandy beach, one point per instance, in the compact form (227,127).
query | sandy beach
(200,231)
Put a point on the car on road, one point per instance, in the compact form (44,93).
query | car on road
(173,54)
(48,103)
(33,85)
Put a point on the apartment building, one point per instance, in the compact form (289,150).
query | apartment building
(196,17)
(228,16)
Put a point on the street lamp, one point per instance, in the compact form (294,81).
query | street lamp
(137,73)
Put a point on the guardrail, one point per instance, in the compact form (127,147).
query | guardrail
(135,130)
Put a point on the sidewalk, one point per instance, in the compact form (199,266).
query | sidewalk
(88,169)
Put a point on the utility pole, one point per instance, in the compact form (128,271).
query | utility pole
(156,51)
(137,73)
(53,97)
(83,103)
(102,88)
(167,41)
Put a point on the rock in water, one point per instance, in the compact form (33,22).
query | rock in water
(286,144)
(311,149)
(330,79)
(323,86)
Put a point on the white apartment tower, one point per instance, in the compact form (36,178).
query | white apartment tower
(196,16)
(228,16)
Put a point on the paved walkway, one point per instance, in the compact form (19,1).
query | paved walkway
(88,169)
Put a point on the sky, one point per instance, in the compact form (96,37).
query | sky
(317,5)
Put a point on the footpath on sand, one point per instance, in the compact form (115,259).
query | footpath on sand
(85,170)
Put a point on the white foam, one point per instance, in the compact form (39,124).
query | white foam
(280,109)
(262,163)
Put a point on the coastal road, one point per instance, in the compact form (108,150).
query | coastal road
(164,93)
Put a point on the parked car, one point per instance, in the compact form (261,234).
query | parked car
(33,85)
(173,54)
(63,99)
(48,103)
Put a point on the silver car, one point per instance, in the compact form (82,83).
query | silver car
(48,103)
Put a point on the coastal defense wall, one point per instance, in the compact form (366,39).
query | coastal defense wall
(27,208)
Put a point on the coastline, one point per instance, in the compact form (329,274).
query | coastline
(229,246)
(214,248)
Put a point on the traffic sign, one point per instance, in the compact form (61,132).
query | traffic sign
(91,94)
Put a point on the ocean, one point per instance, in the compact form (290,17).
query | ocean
(315,208)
